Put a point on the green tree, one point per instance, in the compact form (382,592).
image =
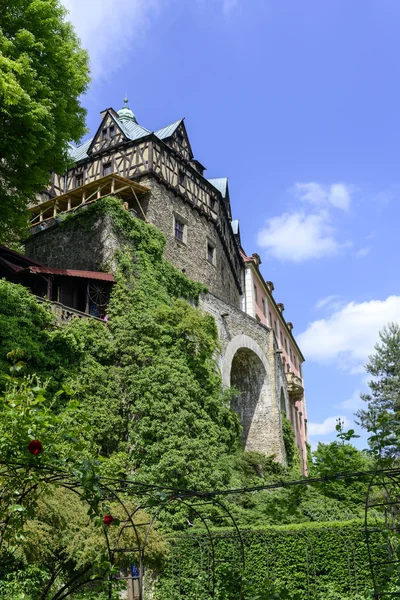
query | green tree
(381,417)
(340,457)
(43,72)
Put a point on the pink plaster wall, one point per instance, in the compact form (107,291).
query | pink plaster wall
(290,356)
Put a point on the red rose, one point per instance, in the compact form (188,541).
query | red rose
(108,519)
(35,447)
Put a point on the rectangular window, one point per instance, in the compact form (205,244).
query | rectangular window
(181,177)
(179,230)
(276,327)
(107,168)
(79,180)
(112,131)
(270,319)
(255,294)
(291,355)
(210,253)
(263,307)
(286,346)
(104,133)
(300,370)
(212,203)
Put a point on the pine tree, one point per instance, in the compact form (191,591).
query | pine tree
(381,417)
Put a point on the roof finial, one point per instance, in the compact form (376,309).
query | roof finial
(125,112)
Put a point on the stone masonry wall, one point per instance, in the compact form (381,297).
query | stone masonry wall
(160,207)
(238,331)
(248,360)
(71,246)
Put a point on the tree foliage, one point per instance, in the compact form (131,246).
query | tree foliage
(148,398)
(43,72)
(381,417)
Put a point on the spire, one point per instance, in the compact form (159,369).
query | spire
(125,113)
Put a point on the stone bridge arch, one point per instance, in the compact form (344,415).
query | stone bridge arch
(246,367)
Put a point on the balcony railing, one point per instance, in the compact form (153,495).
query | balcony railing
(295,386)
(65,314)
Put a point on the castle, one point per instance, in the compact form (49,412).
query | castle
(157,177)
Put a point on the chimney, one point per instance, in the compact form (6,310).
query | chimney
(281,307)
(270,286)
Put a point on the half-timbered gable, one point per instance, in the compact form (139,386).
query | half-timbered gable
(176,137)
(123,147)
(109,134)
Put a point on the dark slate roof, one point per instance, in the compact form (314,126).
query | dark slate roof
(221,183)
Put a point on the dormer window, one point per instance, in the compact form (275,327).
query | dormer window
(104,133)
(112,131)
(107,169)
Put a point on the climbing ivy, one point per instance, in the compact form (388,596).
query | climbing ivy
(291,449)
(147,377)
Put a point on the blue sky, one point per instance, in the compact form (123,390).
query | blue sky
(299,104)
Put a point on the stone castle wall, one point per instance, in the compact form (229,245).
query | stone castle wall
(160,207)
(248,359)
(72,246)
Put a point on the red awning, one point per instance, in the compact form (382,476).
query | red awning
(70,273)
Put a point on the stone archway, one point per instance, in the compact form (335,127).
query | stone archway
(246,368)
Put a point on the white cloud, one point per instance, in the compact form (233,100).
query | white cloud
(328,426)
(109,29)
(298,236)
(327,301)
(307,233)
(353,403)
(337,194)
(348,336)
(363,252)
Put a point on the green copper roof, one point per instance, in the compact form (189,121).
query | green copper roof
(235,226)
(166,132)
(128,124)
(221,183)
(79,152)
(125,113)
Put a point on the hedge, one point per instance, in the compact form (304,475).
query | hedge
(315,560)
